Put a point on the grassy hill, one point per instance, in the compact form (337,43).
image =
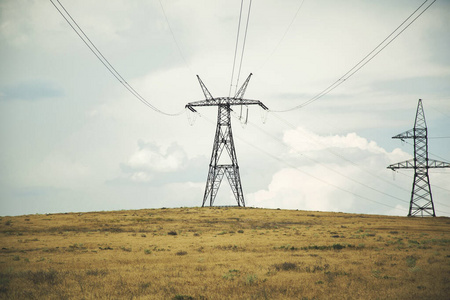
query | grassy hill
(223,253)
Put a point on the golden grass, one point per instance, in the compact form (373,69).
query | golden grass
(223,253)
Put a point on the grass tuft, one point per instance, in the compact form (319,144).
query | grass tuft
(411,261)
(50,277)
(286,266)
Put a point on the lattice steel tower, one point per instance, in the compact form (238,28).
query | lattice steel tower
(421,197)
(223,140)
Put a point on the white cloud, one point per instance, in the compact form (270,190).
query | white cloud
(150,158)
(293,189)
(332,173)
(302,140)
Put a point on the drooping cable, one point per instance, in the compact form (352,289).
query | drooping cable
(82,35)
(380,47)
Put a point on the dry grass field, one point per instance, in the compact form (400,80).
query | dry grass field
(223,253)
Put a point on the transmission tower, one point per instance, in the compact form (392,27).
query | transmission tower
(421,197)
(223,140)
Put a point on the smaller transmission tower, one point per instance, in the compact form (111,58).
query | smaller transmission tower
(223,140)
(421,197)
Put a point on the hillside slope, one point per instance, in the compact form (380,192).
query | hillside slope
(223,253)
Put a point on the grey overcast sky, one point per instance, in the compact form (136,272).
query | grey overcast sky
(74,139)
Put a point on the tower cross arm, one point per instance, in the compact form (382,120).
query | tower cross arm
(408,164)
(224,101)
(405,135)
(235,101)
(438,164)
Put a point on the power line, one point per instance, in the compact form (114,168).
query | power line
(284,35)
(173,36)
(440,157)
(365,60)
(82,35)
(236,48)
(440,110)
(433,185)
(243,45)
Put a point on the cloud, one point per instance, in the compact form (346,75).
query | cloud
(332,173)
(151,158)
(314,142)
(292,189)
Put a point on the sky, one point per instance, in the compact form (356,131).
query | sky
(75,140)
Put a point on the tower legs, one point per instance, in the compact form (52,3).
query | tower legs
(217,167)
(421,197)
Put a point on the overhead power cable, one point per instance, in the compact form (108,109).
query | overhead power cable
(284,35)
(173,37)
(82,35)
(380,47)
(432,184)
(243,45)
(435,155)
(442,112)
(236,47)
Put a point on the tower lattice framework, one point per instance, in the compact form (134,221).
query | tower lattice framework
(421,196)
(223,140)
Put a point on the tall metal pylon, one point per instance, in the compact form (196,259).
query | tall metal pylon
(421,197)
(223,140)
